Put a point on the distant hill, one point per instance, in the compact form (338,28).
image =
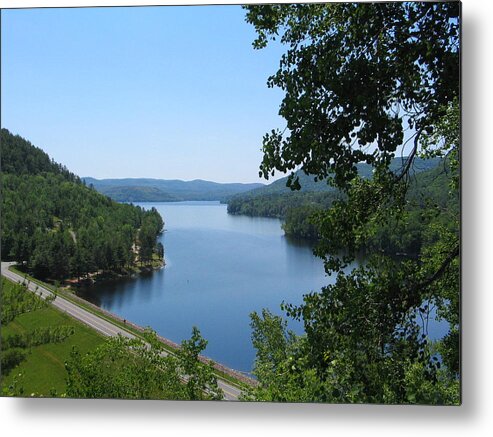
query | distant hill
(276,200)
(164,190)
(137,194)
(308,183)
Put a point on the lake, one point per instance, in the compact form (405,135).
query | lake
(219,269)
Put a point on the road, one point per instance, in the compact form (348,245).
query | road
(231,393)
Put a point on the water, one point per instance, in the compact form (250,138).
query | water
(219,268)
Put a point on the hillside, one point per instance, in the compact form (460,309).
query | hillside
(137,194)
(163,190)
(296,208)
(308,183)
(57,227)
(20,157)
(276,199)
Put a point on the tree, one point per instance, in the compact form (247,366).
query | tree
(201,382)
(55,226)
(160,250)
(354,75)
(136,369)
(146,243)
(366,82)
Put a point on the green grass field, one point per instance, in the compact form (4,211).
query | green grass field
(44,368)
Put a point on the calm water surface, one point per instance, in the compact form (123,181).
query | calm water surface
(219,268)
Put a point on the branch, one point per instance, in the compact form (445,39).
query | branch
(451,256)
(411,157)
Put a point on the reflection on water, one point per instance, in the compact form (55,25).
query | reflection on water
(110,292)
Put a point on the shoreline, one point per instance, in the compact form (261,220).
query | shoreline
(100,277)
(171,344)
(131,327)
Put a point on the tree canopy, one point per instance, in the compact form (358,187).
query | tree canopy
(367,82)
(356,76)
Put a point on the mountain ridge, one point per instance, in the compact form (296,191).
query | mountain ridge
(309,185)
(155,190)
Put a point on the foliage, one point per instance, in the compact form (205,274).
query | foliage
(299,222)
(361,82)
(355,75)
(286,373)
(38,336)
(201,382)
(57,227)
(10,359)
(21,157)
(133,369)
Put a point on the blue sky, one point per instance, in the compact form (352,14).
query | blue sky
(161,92)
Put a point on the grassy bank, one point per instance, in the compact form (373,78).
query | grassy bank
(43,371)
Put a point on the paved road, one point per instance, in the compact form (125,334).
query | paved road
(231,393)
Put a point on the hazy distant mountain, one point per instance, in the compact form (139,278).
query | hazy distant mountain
(309,185)
(163,190)
(169,190)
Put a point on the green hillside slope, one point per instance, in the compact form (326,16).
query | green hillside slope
(298,209)
(57,227)
(308,183)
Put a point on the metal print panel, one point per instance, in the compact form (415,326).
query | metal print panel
(232,203)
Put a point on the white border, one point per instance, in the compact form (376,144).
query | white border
(138,418)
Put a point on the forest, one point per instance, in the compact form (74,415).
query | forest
(299,209)
(57,228)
